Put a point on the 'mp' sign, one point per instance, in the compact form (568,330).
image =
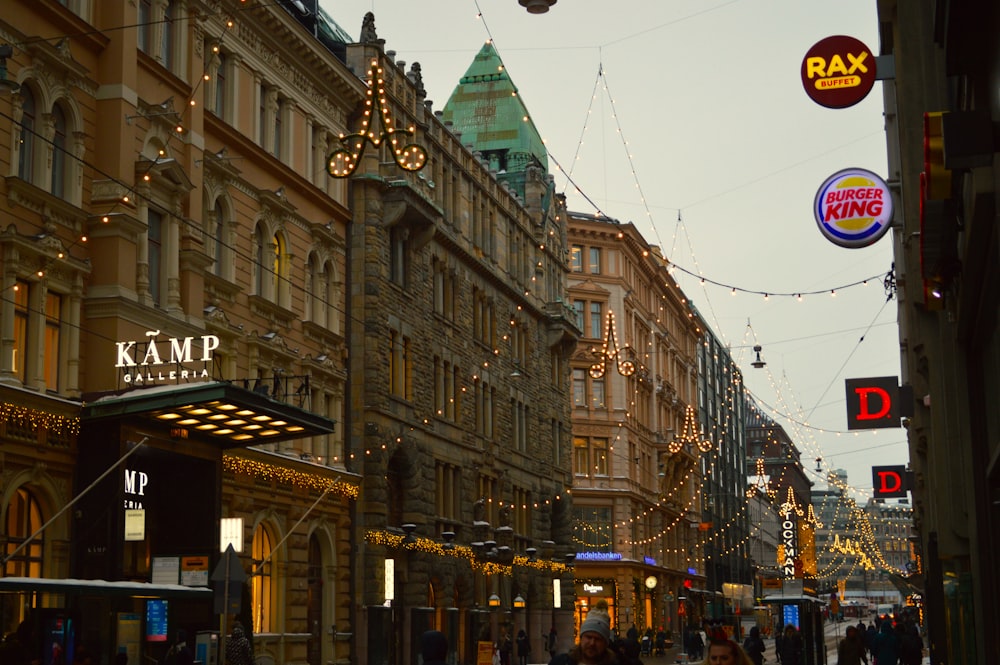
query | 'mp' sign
(889,482)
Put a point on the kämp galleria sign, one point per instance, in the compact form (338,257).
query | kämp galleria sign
(151,361)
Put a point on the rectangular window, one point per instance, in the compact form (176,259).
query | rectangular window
(220,86)
(596,320)
(21,345)
(279,111)
(167,45)
(595,261)
(576,258)
(593,530)
(145,24)
(597,398)
(398,256)
(155,254)
(599,455)
(581,456)
(53,310)
(579,306)
(400,374)
(580,387)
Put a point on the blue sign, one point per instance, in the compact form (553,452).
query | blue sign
(790,615)
(156,620)
(598,556)
(649,561)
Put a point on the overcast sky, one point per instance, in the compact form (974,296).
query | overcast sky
(724,155)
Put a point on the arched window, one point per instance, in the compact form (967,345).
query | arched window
(26,152)
(24,517)
(58,152)
(262,583)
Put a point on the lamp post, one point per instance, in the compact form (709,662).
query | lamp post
(681,611)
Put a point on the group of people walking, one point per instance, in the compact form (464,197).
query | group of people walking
(883,642)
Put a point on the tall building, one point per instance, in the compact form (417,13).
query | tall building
(174,326)
(941,111)
(460,339)
(837,564)
(636,483)
(722,400)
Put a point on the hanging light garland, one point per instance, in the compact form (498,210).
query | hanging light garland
(689,435)
(610,351)
(287,476)
(409,156)
(34,419)
(395,541)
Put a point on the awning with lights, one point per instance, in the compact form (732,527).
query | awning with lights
(213,410)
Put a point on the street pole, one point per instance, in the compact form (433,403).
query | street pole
(682,605)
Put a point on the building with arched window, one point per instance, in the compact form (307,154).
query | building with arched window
(167,362)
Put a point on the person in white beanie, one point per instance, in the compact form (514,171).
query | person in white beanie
(593,647)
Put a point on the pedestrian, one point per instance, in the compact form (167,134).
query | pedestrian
(179,652)
(911,651)
(754,647)
(724,651)
(238,651)
(551,642)
(886,647)
(851,649)
(790,648)
(593,647)
(433,647)
(506,648)
(871,634)
(523,647)
(697,645)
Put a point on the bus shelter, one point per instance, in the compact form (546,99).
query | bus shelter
(806,614)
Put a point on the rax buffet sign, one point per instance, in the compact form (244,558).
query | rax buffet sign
(838,72)
(148,362)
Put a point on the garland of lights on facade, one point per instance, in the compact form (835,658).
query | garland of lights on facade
(396,541)
(35,419)
(285,476)
(408,156)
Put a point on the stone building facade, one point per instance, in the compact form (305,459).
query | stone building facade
(459,340)
(164,186)
(637,491)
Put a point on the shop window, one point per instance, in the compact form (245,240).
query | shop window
(262,582)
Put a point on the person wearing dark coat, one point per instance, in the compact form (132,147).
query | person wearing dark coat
(851,650)
(433,647)
(753,645)
(523,647)
(238,649)
(790,647)
(886,648)
(911,650)
(594,645)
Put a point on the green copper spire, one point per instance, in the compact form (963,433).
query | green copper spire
(487,109)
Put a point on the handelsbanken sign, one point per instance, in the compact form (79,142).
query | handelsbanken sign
(877,402)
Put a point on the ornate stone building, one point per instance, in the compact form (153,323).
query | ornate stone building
(636,488)
(173,323)
(459,342)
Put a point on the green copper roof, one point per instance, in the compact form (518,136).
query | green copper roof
(487,109)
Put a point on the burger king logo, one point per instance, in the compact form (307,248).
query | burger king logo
(853,208)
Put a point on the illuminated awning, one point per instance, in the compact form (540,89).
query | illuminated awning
(101,588)
(212,410)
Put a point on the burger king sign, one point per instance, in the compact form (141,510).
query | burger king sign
(853,208)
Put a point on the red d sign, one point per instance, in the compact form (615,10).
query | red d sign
(873,403)
(889,482)
(838,72)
